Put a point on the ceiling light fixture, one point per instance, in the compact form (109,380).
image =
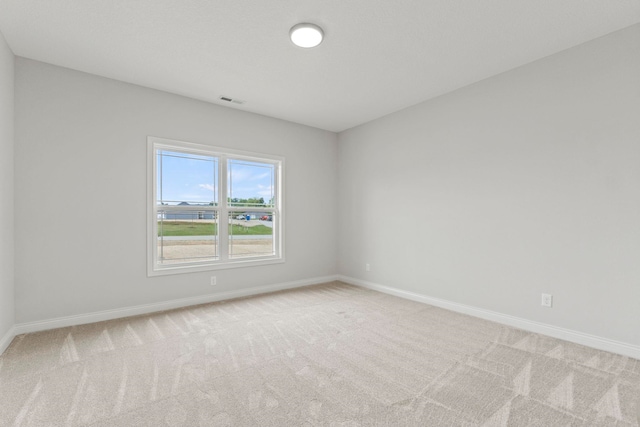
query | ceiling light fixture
(306,35)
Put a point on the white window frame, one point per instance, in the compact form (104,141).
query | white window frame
(224,261)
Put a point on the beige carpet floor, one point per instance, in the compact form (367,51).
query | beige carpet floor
(325,355)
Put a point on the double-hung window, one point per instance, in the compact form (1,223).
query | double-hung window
(212,207)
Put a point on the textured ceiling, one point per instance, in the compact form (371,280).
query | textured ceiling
(378,56)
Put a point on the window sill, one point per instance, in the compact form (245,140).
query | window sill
(241,263)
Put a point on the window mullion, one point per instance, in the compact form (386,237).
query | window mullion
(223,220)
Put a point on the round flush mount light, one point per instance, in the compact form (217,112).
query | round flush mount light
(306,35)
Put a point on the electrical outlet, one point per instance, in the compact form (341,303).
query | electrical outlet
(547,300)
(367,267)
(214,281)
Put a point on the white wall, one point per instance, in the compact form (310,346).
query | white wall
(7,312)
(524,183)
(80,186)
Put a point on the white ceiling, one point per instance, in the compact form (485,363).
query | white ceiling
(378,56)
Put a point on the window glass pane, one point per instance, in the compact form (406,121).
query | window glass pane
(186,179)
(187,236)
(251,184)
(250,234)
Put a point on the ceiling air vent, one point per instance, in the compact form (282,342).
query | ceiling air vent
(235,101)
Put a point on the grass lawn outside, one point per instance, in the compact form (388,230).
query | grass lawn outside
(189,228)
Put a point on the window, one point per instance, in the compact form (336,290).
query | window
(212,207)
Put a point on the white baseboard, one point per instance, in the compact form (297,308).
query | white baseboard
(7,338)
(600,343)
(98,316)
(593,341)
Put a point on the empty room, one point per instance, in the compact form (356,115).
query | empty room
(320,213)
